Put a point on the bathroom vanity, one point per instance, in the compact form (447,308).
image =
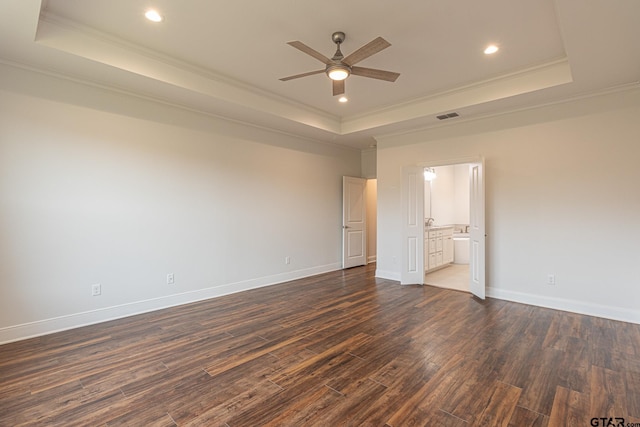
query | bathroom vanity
(438,247)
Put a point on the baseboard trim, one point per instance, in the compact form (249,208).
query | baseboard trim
(371,259)
(580,307)
(76,320)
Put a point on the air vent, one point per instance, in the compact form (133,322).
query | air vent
(447,116)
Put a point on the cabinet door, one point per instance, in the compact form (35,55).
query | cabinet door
(432,261)
(432,245)
(447,250)
(439,244)
(426,255)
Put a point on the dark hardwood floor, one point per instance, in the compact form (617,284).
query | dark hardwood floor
(341,348)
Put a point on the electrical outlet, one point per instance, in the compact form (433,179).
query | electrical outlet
(287,260)
(96,289)
(551,279)
(171,280)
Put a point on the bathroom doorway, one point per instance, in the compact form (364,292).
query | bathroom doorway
(447,209)
(414,241)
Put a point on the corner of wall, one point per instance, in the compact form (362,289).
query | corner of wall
(368,163)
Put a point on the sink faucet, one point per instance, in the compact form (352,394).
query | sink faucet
(429,222)
(466,229)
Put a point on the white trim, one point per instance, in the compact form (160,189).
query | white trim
(580,97)
(70,37)
(160,101)
(580,307)
(590,309)
(62,323)
(76,320)
(389,275)
(542,76)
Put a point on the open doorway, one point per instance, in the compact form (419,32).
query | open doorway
(447,222)
(414,226)
(372,219)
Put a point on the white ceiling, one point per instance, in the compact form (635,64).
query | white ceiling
(226,57)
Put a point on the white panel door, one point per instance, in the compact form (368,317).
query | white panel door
(354,214)
(476,230)
(412,195)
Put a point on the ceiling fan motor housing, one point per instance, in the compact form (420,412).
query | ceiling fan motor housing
(337,70)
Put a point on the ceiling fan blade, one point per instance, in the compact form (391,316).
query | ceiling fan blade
(338,87)
(297,76)
(366,51)
(389,76)
(309,51)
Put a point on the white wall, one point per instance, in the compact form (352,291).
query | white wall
(562,198)
(372,226)
(89,196)
(442,196)
(368,161)
(461,194)
(368,166)
(449,195)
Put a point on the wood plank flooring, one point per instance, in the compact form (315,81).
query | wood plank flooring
(342,348)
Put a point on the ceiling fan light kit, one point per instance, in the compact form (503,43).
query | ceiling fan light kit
(339,67)
(338,71)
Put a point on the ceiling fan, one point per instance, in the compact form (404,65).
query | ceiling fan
(339,67)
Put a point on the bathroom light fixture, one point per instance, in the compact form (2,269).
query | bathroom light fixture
(429,174)
(153,15)
(343,99)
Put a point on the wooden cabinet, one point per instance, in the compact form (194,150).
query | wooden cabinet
(438,247)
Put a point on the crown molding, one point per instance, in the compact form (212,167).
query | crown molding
(542,76)
(82,41)
(625,88)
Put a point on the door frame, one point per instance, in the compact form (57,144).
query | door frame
(480,266)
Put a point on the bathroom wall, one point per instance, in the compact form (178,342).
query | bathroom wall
(449,195)
(461,194)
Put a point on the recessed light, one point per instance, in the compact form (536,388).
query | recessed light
(491,49)
(153,15)
(343,99)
